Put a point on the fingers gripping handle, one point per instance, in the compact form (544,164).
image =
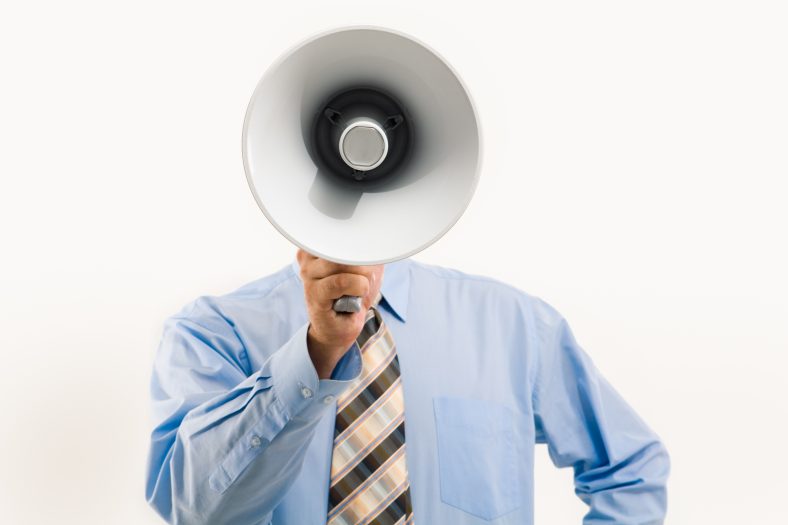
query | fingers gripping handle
(347,304)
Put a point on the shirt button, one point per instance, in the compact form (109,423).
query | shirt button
(328,400)
(255,441)
(306,392)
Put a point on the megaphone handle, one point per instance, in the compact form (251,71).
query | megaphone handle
(347,304)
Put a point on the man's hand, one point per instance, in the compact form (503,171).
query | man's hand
(330,333)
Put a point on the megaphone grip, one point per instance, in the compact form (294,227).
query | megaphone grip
(347,304)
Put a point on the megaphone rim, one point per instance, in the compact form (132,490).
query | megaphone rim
(341,29)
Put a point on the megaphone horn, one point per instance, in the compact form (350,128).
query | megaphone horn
(361,146)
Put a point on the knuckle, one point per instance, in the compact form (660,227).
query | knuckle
(333,285)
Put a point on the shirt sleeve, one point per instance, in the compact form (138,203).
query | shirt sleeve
(620,465)
(226,446)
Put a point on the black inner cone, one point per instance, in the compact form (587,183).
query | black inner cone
(333,117)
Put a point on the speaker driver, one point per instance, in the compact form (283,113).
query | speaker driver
(361,134)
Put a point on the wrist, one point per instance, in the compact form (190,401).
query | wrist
(324,357)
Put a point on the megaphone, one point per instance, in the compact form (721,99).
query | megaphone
(361,146)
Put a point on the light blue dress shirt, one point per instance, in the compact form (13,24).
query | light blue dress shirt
(244,428)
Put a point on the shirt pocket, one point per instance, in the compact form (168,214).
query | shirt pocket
(477,456)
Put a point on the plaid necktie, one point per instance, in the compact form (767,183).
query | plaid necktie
(369,478)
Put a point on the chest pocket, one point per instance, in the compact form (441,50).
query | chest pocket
(477,456)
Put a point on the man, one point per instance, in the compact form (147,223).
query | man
(424,407)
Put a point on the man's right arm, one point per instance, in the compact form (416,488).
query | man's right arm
(227,446)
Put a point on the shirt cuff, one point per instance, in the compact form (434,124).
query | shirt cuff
(348,368)
(295,381)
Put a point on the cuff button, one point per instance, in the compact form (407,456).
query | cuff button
(306,392)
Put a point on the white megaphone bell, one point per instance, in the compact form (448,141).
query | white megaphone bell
(361,146)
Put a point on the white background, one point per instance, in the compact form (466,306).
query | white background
(634,177)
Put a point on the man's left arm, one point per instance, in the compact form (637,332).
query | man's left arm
(620,465)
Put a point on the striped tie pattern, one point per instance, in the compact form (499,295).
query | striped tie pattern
(369,477)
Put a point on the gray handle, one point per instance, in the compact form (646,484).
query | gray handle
(347,304)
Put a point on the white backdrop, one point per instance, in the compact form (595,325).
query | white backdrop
(634,177)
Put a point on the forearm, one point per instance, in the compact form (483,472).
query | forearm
(234,456)
(234,474)
(627,491)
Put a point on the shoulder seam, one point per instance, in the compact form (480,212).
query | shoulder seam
(462,276)
(289,274)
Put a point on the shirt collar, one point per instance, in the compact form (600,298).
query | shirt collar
(395,288)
